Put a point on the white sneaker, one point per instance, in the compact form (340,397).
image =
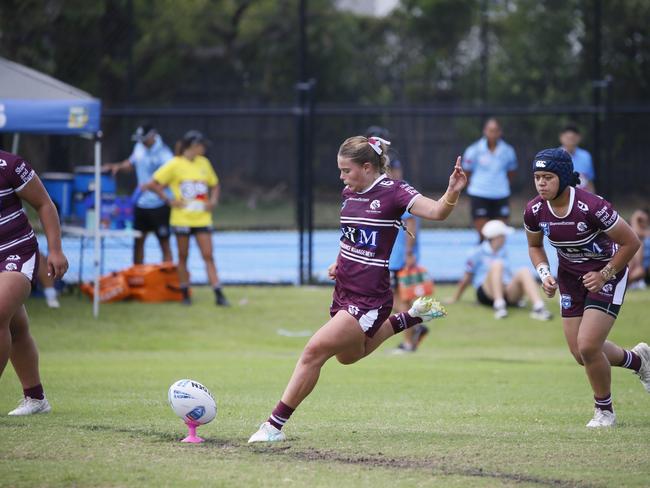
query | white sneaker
(602,418)
(427,309)
(542,314)
(267,433)
(643,351)
(52,302)
(500,313)
(31,406)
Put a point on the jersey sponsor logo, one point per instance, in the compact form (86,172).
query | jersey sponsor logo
(360,235)
(535,208)
(352,310)
(194,189)
(386,183)
(13,257)
(540,164)
(583,206)
(11,266)
(546,229)
(375,204)
(582,227)
(605,217)
(565,301)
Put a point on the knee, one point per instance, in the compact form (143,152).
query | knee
(313,355)
(576,355)
(588,352)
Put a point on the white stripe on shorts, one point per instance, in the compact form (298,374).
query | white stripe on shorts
(368,319)
(28,267)
(619,291)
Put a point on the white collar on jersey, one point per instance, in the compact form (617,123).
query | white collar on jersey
(381,177)
(572,194)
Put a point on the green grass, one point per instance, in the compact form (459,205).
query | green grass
(483,403)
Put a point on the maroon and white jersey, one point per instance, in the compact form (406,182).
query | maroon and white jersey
(579,236)
(369,224)
(15,232)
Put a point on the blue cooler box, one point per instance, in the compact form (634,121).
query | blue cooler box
(84,186)
(60,188)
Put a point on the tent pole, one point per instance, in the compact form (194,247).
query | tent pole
(15,143)
(98,213)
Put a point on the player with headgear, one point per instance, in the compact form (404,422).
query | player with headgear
(593,246)
(361,319)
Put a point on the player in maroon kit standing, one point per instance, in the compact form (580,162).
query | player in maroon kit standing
(18,271)
(593,246)
(360,313)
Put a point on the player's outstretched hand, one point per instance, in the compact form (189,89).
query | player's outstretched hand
(458,178)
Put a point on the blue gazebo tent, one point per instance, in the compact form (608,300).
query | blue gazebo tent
(33,102)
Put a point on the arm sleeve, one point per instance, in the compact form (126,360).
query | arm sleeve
(20,174)
(405,195)
(603,216)
(531,222)
(512,160)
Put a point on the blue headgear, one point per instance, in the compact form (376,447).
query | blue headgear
(557,160)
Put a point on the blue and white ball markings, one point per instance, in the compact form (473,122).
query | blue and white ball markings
(192,401)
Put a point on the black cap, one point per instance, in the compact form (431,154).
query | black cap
(195,136)
(142,132)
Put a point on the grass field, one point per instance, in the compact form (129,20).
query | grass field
(483,403)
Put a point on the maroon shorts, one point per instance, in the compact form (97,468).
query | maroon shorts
(575,298)
(23,261)
(371,312)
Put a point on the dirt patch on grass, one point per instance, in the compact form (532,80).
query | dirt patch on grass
(436,466)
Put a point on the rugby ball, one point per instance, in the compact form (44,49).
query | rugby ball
(192,401)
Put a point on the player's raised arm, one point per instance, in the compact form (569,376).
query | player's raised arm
(430,209)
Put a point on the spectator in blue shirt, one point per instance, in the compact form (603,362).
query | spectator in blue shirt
(569,139)
(151,213)
(490,164)
(488,270)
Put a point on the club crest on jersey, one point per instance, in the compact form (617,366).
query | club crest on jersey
(375,204)
(386,183)
(11,266)
(582,227)
(565,301)
(546,229)
(607,289)
(352,310)
(583,206)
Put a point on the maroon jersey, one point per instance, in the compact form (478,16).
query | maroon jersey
(579,236)
(369,224)
(16,235)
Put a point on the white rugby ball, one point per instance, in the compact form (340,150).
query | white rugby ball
(192,401)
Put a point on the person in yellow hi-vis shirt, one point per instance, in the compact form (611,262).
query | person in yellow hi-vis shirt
(195,187)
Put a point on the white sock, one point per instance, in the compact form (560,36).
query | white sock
(500,303)
(537,306)
(49,292)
